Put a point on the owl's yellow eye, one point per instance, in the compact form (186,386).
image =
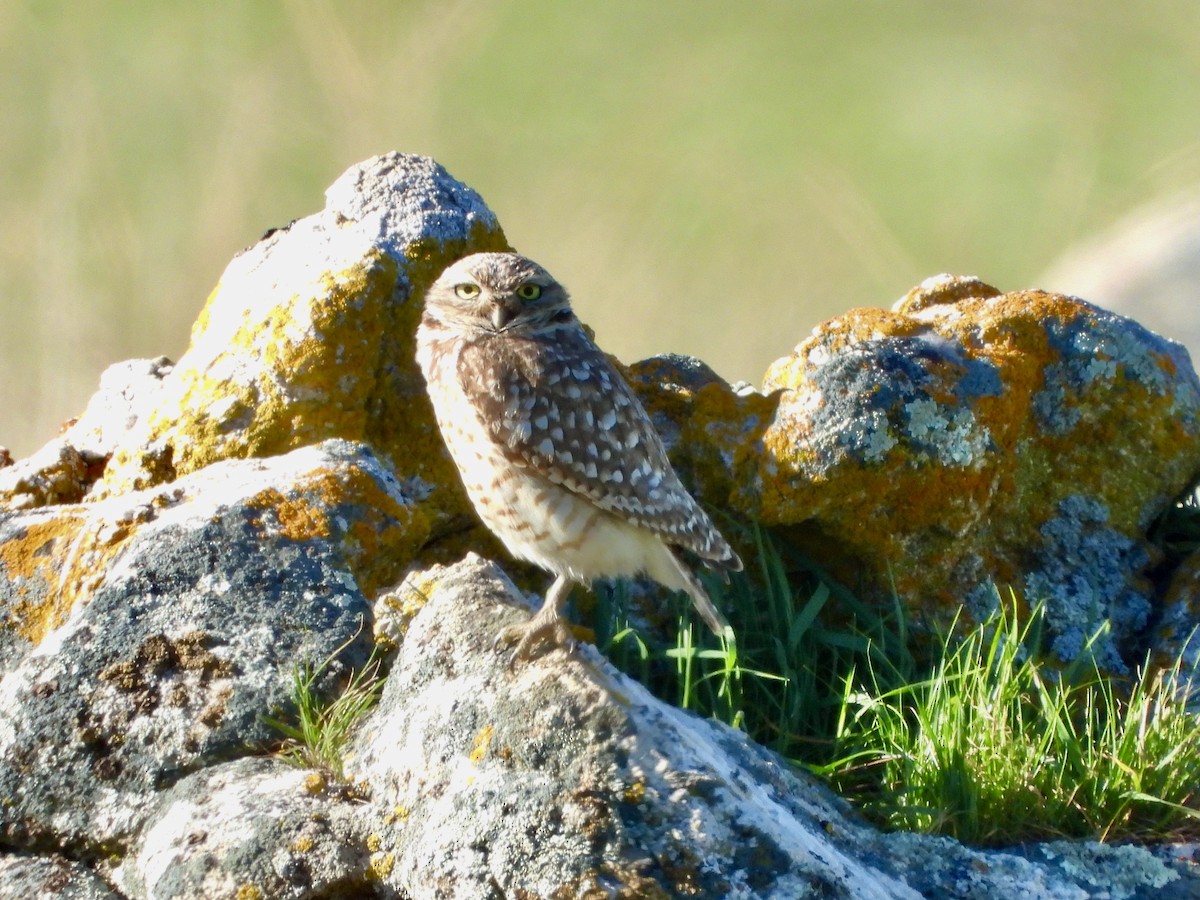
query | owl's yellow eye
(529,291)
(466,291)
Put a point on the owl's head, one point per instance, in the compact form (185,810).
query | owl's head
(499,293)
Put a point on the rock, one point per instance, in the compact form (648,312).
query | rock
(566,778)
(309,335)
(252,828)
(276,499)
(964,440)
(65,469)
(562,778)
(49,878)
(148,634)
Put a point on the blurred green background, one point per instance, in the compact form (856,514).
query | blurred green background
(707,177)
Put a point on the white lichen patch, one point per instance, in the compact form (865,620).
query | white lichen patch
(694,748)
(872,434)
(952,435)
(397,198)
(1122,872)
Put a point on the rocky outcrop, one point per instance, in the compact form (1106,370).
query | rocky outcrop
(280,497)
(561,779)
(307,336)
(150,633)
(966,439)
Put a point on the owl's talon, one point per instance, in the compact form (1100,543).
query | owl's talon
(535,638)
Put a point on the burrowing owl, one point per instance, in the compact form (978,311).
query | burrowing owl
(556,453)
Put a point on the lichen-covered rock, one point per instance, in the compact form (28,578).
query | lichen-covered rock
(308,336)
(564,778)
(64,469)
(252,828)
(145,636)
(963,440)
(204,528)
(49,878)
(712,431)
(472,779)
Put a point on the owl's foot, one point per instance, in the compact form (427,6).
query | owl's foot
(546,627)
(541,634)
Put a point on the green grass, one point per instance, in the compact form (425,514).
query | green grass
(985,743)
(319,724)
(797,630)
(995,747)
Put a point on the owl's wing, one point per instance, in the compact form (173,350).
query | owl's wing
(562,409)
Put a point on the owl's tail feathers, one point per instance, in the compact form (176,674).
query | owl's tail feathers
(727,562)
(710,545)
(688,581)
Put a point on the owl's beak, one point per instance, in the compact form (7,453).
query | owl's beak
(502,314)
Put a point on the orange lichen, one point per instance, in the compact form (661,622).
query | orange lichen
(877,498)
(382,534)
(296,518)
(32,562)
(52,563)
(943,290)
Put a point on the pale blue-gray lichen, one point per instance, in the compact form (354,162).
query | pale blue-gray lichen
(1101,349)
(1086,573)
(880,395)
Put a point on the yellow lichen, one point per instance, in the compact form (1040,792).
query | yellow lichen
(399,813)
(249,892)
(289,376)
(635,793)
(292,384)
(268,370)
(395,609)
(482,741)
(302,844)
(381,865)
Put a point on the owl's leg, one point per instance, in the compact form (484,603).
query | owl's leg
(546,627)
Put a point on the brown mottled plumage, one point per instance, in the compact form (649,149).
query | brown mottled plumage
(555,450)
